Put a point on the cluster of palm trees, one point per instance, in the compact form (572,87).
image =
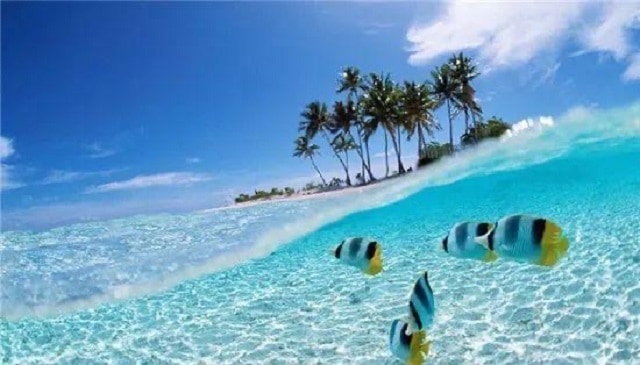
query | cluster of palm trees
(376,104)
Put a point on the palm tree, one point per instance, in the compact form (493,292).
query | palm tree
(366,130)
(399,121)
(464,71)
(445,87)
(343,117)
(369,128)
(316,120)
(344,143)
(417,105)
(371,125)
(306,150)
(351,82)
(381,106)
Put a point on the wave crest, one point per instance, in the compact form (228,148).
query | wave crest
(531,141)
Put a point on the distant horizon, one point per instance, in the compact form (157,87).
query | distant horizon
(118,109)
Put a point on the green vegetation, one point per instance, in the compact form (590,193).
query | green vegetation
(493,128)
(262,195)
(374,103)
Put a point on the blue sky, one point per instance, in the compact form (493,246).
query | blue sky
(118,108)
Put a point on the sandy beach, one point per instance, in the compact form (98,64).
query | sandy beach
(299,196)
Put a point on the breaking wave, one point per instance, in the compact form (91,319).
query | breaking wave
(86,265)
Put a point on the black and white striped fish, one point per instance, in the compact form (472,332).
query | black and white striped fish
(460,241)
(422,305)
(365,254)
(526,238)
(410,348)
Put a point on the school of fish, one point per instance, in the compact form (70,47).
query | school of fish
(519,237)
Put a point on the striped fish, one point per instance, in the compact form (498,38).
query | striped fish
(410,348)
(422,305)
(526,238)
(460,241)
(358,252)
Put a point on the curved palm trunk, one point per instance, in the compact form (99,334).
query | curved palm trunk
(386,155)
(466,121)
(450,127)
(346,169)
(362,169)
(395,147)
(421,144)
(475,128)
(324,182)
(366,145)
(399,151)
(346,157)
(359,151)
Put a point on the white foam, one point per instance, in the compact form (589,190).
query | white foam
(531,142)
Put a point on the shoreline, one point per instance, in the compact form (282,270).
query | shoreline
(347,190)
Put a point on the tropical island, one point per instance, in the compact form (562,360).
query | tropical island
(373,104)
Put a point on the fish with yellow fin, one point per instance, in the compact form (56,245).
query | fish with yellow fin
(365,254)
(410,348)
(460,241)
(526,238)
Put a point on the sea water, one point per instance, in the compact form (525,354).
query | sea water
(255,285)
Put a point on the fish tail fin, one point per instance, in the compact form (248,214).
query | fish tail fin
(418,349)
(563,245)
(490,256)
(375,265)
(554,244)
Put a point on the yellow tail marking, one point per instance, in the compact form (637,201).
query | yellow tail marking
(490,256)
(563,245)
(554,245)
(418,349)
(375,265)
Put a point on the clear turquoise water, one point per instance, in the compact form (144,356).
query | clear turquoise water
(255,285)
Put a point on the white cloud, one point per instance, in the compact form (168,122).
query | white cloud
(503,33)
(97,150)
(633,70)
(61,176)
(6,147)
(509,34)
(610,32)
(61,213)
(549,74)
(192,160)
(6,179)
(139,182)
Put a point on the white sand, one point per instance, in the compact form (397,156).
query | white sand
(300,196)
